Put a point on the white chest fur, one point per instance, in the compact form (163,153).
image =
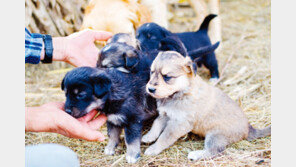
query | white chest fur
(181,110)
(116,119)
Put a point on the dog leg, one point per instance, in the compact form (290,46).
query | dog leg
(113,134)
(212,64)
(133,142)
(215,24)
(172,132)
(200,9)
(215,143)
(157,127)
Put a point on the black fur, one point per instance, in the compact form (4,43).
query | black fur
(150,34)
(120,94)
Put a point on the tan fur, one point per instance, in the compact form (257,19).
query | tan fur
(117,16)
(191,105)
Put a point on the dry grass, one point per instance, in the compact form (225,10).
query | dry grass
(245,62)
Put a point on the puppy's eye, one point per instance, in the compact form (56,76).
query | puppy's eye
(81,95)
(151,72)
(166,78)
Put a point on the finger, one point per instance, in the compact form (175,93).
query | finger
(90,135)
(98,122)
(76,129)
(88,116)
(101,35)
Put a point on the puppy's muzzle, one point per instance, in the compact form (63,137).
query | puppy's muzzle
(73,112)
(151,90)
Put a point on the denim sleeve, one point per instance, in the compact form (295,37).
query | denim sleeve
(33,47)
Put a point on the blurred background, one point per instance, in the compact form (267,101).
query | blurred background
(244,62)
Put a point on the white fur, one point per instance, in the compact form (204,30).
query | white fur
(105,62)
(116,119)
(131,159)
(197,155)
(106,48)
(122,69)
(94,105)
(109,151)
(75,91)
(121,40)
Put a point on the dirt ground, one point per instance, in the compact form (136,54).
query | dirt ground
(244,62)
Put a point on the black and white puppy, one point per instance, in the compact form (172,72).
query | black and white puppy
(150,34)
(127,58)
(120,96)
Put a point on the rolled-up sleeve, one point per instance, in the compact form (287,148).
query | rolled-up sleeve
(33,47)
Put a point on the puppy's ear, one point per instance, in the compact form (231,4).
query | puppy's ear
(189,66)
(101,83)
(131,59)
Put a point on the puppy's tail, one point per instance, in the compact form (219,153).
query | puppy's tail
(197,54)
(205,24)
(257,133)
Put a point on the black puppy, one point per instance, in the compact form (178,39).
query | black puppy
(150,34)
(120,96)
(129,59)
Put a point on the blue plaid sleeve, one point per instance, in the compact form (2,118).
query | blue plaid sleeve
(33,47)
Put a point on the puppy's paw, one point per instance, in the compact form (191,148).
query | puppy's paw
(132,159)
(109,151)
(148,138)
(213,80)
(152,150)
(196,155)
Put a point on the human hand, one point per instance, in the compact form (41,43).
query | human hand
(50,117)
(78,49)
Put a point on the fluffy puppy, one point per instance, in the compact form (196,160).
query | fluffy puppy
(150,35)
(120,96)
(126,58)
(124,38)
(115,16)
(188,104)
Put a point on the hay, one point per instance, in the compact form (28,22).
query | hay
(246,78)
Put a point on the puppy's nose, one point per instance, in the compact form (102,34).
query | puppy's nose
(151,90)
(68,111)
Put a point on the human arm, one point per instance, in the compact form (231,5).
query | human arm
(77,49)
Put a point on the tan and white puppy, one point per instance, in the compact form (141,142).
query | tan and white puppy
(188,104)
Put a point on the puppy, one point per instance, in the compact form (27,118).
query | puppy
(188,104)
(120,96)
(126,58)
(124,38)
(150,35)
(116,16)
